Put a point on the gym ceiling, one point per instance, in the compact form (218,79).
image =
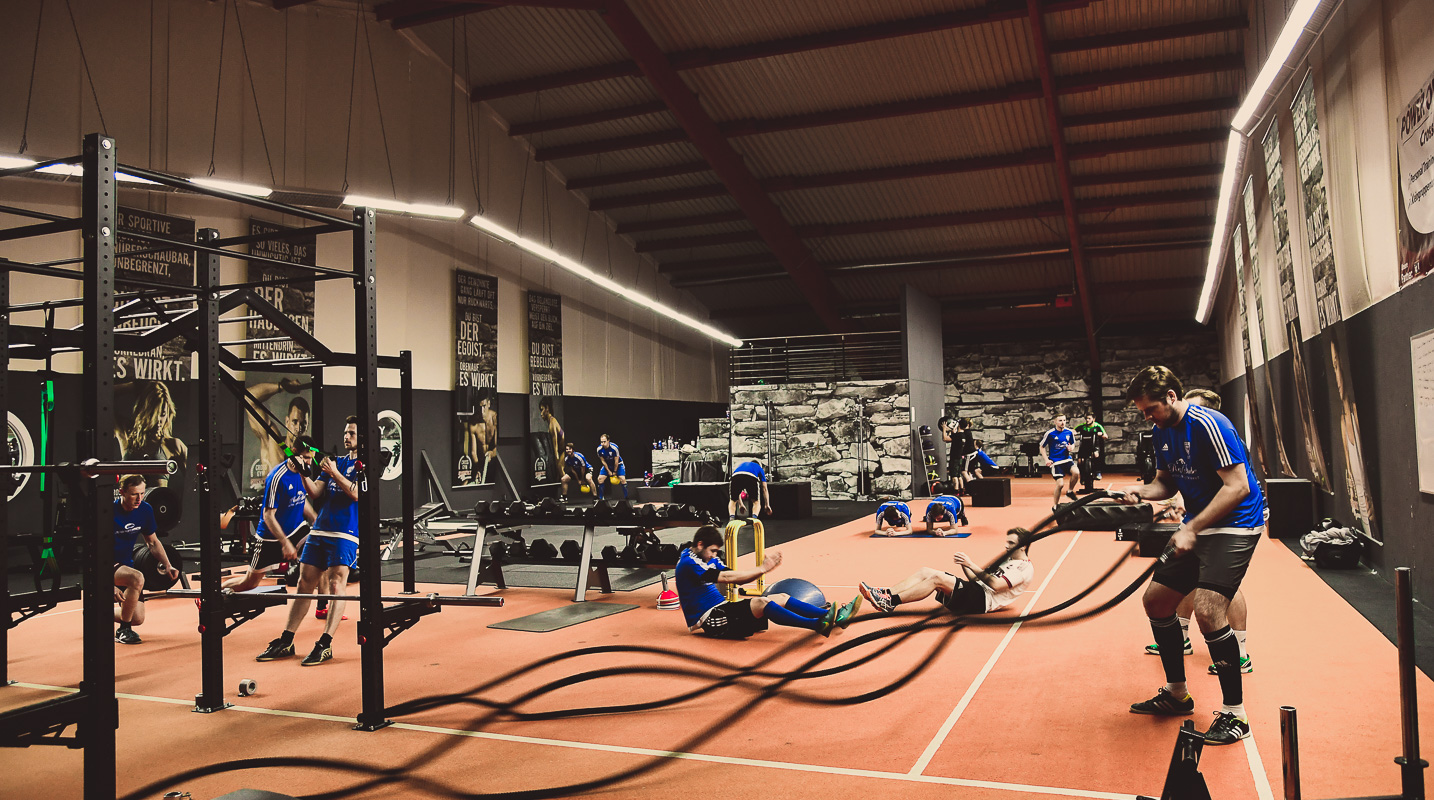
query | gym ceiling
(1039,166)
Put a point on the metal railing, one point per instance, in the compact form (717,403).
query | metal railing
(825,357)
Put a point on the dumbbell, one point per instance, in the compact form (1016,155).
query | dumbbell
(631,556)
(609,554)
(517,551)
(539,548)
(622,509)
(661,554)
(517,508)
(647,513)
(550,507)
(498,551)
(600,510)
(571,550)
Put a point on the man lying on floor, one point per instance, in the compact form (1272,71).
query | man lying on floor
(896,515)
(944,513)
(708,611)
(977,592)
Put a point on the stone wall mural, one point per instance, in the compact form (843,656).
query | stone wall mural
(815,432)
(1012,391)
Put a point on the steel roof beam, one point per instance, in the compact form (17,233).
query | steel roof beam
(764,215)
(632,176)
(590,118)
(1063,177)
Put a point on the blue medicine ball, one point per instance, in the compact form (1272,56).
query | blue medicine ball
(803,590)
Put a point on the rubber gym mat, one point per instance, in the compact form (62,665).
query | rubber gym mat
(920,535)
(563,616)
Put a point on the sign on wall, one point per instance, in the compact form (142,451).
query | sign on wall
(294,300)
(1415,126)
(169,361)
(545,344)
(1315,200)
(1254,247)
(283,414)
(475,396)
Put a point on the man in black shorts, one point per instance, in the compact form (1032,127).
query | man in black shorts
(748,487)
(976,592)
(284,520)
(1199,454)
(707,610)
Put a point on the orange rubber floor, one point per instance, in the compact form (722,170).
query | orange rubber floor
(1010,710)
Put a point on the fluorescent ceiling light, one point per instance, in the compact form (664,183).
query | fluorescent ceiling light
(628,293)
(1234,166)
(231,186)
(415,209)
(1300,15)
(67,170)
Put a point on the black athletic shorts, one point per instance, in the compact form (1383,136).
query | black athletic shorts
(1217,563)
(267,554)
(733,620)
(745,481)
(967,598)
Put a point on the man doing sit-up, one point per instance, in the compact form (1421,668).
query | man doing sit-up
(977,591)
(709,612)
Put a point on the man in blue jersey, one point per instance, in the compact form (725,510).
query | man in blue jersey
(1056,447)
(611,470)
(1199,454)
(330,551)
(945,511)
(133,518)
(576,471)
(748,487)
(284,520)
(895,515)
(978,463)
(708,611)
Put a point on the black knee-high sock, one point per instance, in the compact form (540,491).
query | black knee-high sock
(1172,647)
(1225,652)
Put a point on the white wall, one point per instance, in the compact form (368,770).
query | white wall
(155,67)
(1365,65)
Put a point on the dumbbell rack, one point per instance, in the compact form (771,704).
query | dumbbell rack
(587,565)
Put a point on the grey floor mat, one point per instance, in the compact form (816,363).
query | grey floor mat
(557,618)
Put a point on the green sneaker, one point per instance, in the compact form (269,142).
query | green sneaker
(1247,665)
(828,622)
(1154,649)
(846,612)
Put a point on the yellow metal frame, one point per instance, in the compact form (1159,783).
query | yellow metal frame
(734,527)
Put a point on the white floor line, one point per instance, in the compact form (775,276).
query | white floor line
(642,751)
(930,751)
(1257,769)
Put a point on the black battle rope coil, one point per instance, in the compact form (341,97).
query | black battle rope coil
(509,710)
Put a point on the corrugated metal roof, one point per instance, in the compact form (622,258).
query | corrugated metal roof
(944,194)
(882,247)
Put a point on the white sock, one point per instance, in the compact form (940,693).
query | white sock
(1240,637)
(1177,690)
(1184,626)
(1238,711)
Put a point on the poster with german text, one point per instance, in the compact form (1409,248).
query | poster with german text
(293,300)
(476,393)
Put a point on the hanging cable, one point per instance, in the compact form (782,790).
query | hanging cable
(452,108)
(218,84)
(254,92)
(475,134)
(29,95)
(377,101)
(86,62)
(353,80)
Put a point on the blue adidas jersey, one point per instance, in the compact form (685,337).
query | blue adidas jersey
(950,503)
(609,455)
(284,492)
(1201,443)
(896,504)
(575,464)
(339,514)
(697,587)
(751,468)
(1057,443)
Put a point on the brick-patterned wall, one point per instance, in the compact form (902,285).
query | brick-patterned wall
(1012,391)
(814,434)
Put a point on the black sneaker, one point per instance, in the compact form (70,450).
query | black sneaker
(276,650)
(1226,729)
(319,655)
(1164,704)
(880,599)
(1072,495)
(127,636)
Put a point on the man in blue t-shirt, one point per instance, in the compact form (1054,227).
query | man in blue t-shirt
(1199,454)
(946,511)
(576,471)
(284,520)
(610,467)
(895,515)
(134,518)
(708,611)
(748,487)
(1056,447)
(331,549)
